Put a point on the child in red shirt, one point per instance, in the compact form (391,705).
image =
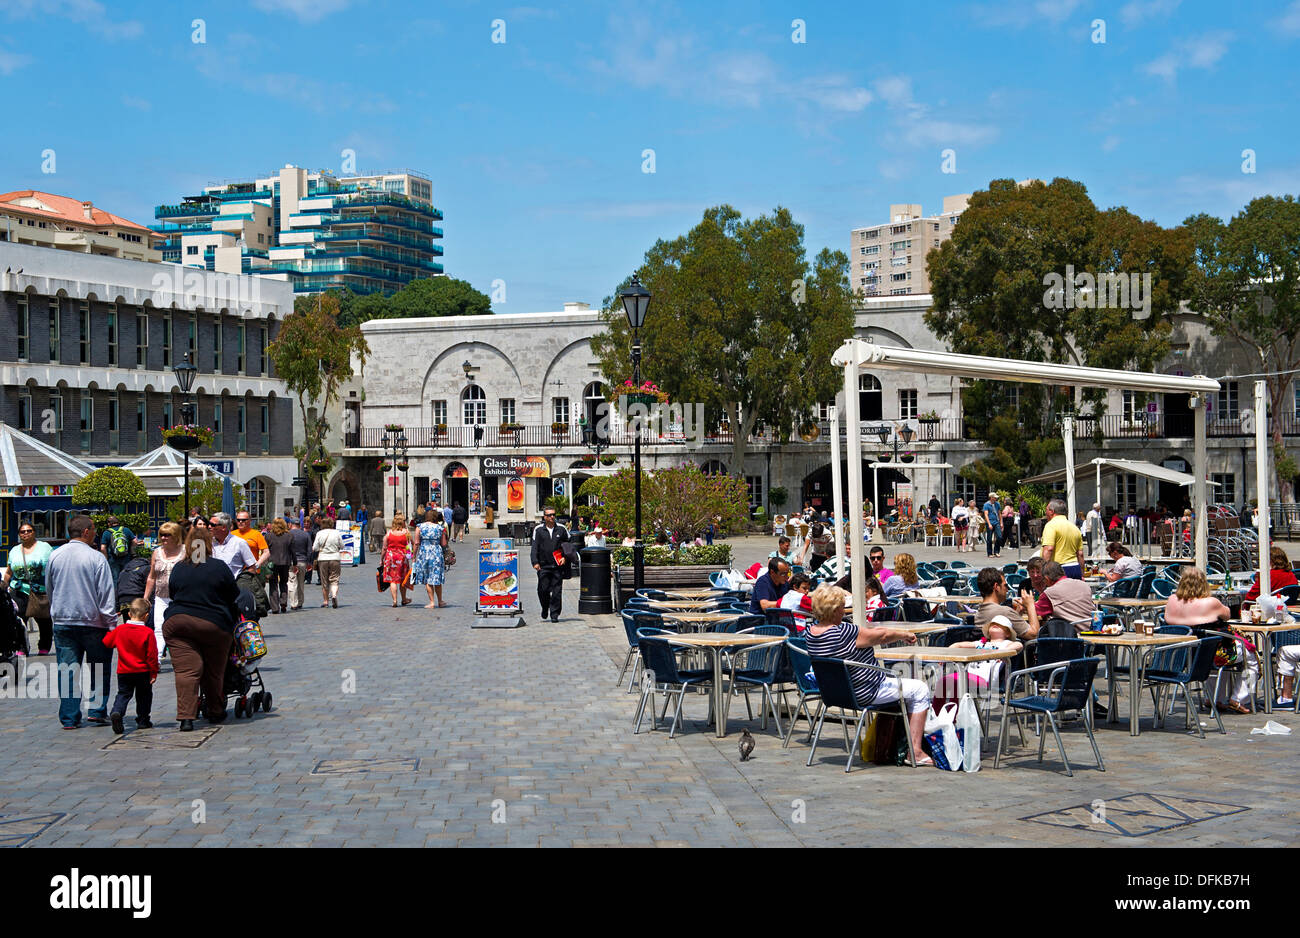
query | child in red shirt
(137,665)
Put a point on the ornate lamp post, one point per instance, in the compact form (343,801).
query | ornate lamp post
(185,371)
(395,453)
(636,300)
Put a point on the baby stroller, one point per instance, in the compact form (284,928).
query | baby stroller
(243,681)
(13,633)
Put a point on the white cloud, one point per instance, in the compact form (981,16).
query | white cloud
(12,61)
(941,133)
(1136,11)
(1110,144)
(835,93)
(88,13)
(307,11)
(1056,10)
(1197,52)
(1289,23)
(140,104)
(1021,13)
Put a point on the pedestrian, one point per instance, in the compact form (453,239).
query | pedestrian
(237,553)
(79,582)
(344,512)
(459,518)
(279,543)
(428,543)
(199,627)
(116,544)
(489,511)
(377,528)
(363,519)
(137,665)
(993,519)
(26,574)
(547,538)
(328,548)
(300,544)
(447,515)
(166,555)
(132,583)
(396,561)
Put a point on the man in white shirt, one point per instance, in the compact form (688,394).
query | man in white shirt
(1093,528)
(231,550)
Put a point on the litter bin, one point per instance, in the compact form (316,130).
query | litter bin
(595,577)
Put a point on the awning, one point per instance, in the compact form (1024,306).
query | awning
(31,468)
(1111,466)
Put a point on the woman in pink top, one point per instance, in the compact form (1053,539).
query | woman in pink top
(165,556)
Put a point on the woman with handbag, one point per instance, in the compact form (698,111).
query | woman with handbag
(428,542)
(157,588)
(396,564)
(26,571)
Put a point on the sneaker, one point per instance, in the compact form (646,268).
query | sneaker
(74,726)
(335,601)
(97,721)
(143,724)
(117,723)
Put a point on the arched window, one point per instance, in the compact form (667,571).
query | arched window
(255,499)
(593,400)
(870,398)
(714,467)
(473,405)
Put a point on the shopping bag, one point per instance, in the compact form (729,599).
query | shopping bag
(889,729)
(968,724)
(941,734)
(867,745)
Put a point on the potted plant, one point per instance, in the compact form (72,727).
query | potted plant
(393,428)
(187,436)
(608,460)
(403,466)
(384,465)
(560,429)
(510,428)
(647,392)
(440,429)
(320,466)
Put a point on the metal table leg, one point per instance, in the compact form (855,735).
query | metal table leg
(1134,682)
(1111,696)
(1265,643)
(718,719)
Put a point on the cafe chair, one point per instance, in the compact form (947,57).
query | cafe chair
(836,688)
(1162,588)
(776,616)
(759,666)
(660,660)
(796,650)
(1074,693)
(1198,672)
(956,633)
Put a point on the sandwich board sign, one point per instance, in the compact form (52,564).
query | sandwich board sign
(498,605)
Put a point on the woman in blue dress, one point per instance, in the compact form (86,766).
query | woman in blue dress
(427,542)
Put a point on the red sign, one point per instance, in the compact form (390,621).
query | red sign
(393,480)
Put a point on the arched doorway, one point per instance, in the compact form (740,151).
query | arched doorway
(455,485)
(871,398)
(714,467)
(817,491)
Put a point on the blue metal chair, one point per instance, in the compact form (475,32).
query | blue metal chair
(796,651)
(957,564)
(1074,693)
(835,685)
(1126,588)
(633,659)
(783,617)
(1162,588)
(956,633)
(1144,584)
(1198,672)
(662,674)
(915,609)
(762,669)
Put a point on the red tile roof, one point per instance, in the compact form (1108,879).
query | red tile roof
(66,210)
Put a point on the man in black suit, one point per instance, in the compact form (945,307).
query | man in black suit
(547,538)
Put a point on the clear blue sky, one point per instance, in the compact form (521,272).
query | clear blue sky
(535,145)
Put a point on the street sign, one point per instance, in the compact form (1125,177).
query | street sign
(393,480)
(299,481)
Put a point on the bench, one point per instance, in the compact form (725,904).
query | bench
(687,575)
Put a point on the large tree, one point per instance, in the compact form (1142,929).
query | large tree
(739,322)
(999,288)
(436,296)
(313,356)
(1247,285)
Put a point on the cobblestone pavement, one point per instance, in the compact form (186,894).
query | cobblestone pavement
(520,738)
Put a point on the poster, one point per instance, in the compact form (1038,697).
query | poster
(475,497)
(435,491)
(515,496)
(498,574)
(350,532)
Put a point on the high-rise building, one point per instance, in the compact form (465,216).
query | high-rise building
(57,221)
(889,259)
(372,233)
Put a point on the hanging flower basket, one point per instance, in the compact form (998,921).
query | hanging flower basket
(320,467)
(384,465)
(647,392)
(403,466)
(440,429)
(608,460)
(187,436)
(510,428)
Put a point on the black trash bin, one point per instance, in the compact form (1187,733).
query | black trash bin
(595,578)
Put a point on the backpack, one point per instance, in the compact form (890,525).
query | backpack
(121,546)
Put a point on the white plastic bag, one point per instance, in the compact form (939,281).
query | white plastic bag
(944,724)
(968,721)
(1271,728)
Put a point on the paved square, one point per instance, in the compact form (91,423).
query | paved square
(1136,815)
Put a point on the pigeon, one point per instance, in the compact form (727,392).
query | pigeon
(746,745)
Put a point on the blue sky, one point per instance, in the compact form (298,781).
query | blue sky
(535,145)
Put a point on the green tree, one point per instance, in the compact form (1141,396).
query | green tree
(435,296)
(205,495)
(1246,282)
(681,499)
(313,355)
(995,292)
(739,322)
(110,488)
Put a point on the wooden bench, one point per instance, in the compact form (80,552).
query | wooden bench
(662,578)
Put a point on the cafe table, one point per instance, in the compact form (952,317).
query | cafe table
(1139,645)
(700,593)
(715,643)
(681,605)
(701,619)
(1158,561)
(1264,632)
(1128,607)
(961,657)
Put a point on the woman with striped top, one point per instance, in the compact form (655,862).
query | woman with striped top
(831,637)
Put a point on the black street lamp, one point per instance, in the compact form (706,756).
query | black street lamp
(636,300)
(185,371)
(322,460)
(395,452)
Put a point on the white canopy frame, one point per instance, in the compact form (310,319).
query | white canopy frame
(589,472)
(1112,465)
(853,354)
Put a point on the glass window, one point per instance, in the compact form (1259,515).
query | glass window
(1227,400)
(239,358)
(192,338)
(141,339)
(241,421)
(824,410)
(1126,490)
(25,410)
(1226,487)
(265,415)
(112,337)
(216,345)
(56,410)
(560,410)
(216,426)
(87,420)
(191,249)
(24,328)
(255,499)
(83,328)
(167,340)
(963,488)
(114,418)
(439,413)
(261,350)
(473,406)
(870,398)
(755,486)
(54,330)
(141,433)
(907,404)
(167,420)
(507,410)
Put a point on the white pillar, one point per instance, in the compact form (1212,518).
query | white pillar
(1198,486)
(836,494)
(875,488)
(1261,485)
(1067,428)
(853,417)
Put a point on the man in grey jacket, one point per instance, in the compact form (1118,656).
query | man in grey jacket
(300,544)
(80,586)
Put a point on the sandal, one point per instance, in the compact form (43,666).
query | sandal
(923,761)
(406,602)
(1236,707)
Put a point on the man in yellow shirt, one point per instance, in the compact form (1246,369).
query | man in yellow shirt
(1062,540)
(252,537)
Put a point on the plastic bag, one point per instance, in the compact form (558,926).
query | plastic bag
(1271,728)
(968,722)
(941,733)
